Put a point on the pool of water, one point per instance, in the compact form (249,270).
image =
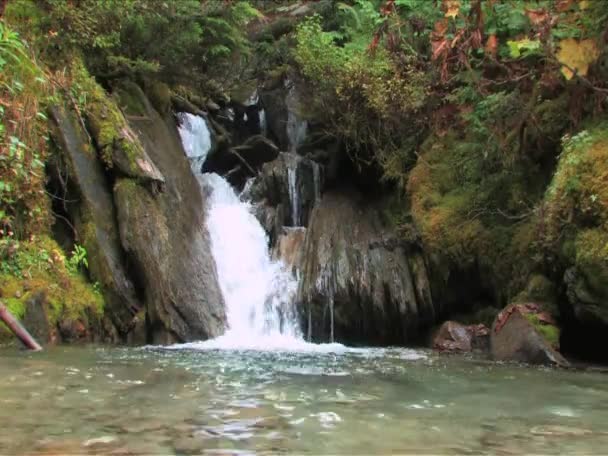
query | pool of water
(155,401)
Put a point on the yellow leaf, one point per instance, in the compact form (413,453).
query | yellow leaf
(452,7)
(576,56)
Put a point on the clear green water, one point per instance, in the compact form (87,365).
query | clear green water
(136,401)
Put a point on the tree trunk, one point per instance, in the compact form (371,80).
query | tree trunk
(16,327)
(3,4)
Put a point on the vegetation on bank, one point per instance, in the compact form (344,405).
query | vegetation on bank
(468,106)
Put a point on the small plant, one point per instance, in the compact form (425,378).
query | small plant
(78,259)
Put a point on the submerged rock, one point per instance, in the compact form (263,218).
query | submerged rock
(522,332)
(360,284)
(166,236)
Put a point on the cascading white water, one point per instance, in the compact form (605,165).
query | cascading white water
(259,293)
(294,197)
(196,139)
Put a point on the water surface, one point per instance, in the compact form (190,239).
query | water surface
(146,401)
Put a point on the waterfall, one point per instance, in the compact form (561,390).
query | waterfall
(196,139)
(259,293)
(294,200)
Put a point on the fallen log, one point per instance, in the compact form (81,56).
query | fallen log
(18,330)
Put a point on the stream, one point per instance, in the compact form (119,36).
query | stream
(327,400)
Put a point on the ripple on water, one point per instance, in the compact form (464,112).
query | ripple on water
(389,401)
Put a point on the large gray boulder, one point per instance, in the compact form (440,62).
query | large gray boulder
(360,284)
(166,237)
(523,333)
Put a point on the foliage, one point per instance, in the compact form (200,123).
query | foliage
(173,41)
(78,259)
(23,92)
(365,96)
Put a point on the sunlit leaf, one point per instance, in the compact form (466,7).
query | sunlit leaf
(452,8)
(521,47)
(576,56)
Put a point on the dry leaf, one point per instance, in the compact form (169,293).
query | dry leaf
(491,45)
(537,16)
(452,7)
(576,56)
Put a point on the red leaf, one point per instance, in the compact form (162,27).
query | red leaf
(491,45)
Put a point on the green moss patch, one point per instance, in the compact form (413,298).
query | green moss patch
(549,332)
(41,266)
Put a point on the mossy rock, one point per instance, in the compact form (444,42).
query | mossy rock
(117,144)
(576,224)
(523,333)
(461,204)
(540,289)
(159,95)
(39,267)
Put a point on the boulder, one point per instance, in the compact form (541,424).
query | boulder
(359,283)
(524,333)
(456,337)
(36,319)
(167,241)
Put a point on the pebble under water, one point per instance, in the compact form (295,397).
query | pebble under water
(71,400)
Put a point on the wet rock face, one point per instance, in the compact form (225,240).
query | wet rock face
(519,333)
(359,283)
(291,185)
(588,298)
(282,107)
(166,236)
(456,337)
(36,319)
(241,162)
(289,247)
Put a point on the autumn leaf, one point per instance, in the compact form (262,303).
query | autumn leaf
(563,5)
(452,7)
(538,16)
(576,56)
(491,45)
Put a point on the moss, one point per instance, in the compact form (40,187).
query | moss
(577,208)
(40,265)
(462,204)
(159,95)
(16,306)
(116,143)
(550,333)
